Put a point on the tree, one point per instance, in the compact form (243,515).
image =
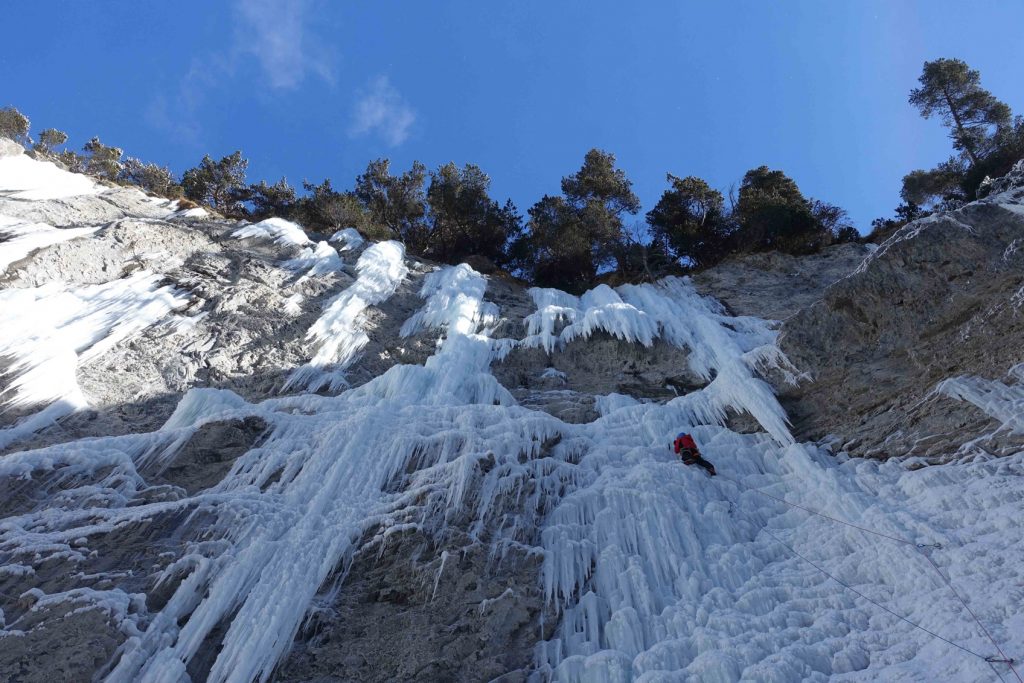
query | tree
(952,90)
(396,202)
(987,137)
(102,160)
(15,126)
(49,140)
(464,220)
(152,178)
(940,187)
(691,222)
(270,200)
(601,193)
(570,239)
(72,161)
(774,214)
(327,210)
(643,257)
(834,221)
(883,228)
(556,249)
(217,183)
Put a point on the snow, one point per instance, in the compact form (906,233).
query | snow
(653,570)
(22,177)
(337,333)
(193,213)
(50,330)
(282,232)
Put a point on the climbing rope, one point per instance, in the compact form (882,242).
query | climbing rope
(920,547)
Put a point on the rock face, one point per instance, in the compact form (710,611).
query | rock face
(774,285)
(941,298)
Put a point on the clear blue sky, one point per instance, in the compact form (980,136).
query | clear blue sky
(523,89)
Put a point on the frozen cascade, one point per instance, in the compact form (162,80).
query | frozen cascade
(290,511)
(658,572)
(322,259)
(337,333)
(1000,401)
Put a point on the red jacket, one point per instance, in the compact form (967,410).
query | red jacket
(684,442)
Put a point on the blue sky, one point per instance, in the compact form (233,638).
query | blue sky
(316,88)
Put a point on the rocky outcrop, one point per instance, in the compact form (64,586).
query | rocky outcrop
(775,285)
(939,299)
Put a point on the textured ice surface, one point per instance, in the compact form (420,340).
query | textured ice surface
(998,400)
(321,259)
(658,571)
(349,238)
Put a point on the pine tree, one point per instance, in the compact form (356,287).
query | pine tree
(150,177)
(952,90)
(464,220)
(570,239)
(691,221)
(271,200)
(987,137)
(14,126)
(218,183)
(773,213)
(102,160)
(396,203)
(49,140)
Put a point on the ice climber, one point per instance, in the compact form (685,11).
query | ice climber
(687,450)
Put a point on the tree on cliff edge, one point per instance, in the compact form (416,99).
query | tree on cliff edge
(986,136)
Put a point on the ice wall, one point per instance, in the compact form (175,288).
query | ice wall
(656,572)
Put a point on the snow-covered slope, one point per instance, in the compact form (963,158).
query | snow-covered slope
(626,565)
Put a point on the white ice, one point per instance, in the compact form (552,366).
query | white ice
(999,400)
(350,239)
(321,259)
(285,233)
(338,335)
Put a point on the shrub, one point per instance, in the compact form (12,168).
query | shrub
(218,184)
(15,126)
(49,140)
(150,177)
(101,160)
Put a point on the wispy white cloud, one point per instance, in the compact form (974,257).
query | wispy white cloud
(277,33)
(176,110)
(381,109)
